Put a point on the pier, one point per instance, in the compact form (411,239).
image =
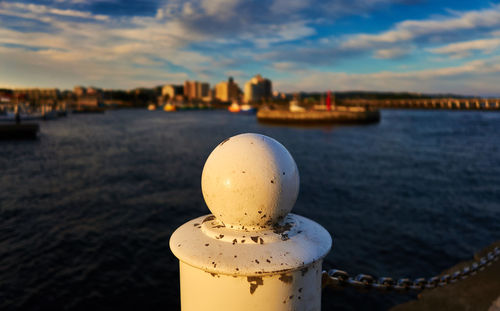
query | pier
(430,103)
(338,115)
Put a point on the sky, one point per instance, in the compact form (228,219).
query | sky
(428,46)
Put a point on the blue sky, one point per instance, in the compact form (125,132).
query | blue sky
(384,45)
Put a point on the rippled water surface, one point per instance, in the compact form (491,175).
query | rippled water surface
(86,211)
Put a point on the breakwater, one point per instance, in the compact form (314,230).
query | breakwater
(338,115)
(433,103)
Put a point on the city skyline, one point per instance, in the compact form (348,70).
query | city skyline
(402,45)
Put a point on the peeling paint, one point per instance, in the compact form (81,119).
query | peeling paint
(278,229)
(208,218)
(288,279)
(224,141)
(255,281)
(304,270)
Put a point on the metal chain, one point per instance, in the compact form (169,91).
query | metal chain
(339,278)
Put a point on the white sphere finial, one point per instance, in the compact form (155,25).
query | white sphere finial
(250,181)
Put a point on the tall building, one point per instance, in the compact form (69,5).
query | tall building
(227,90)
(258,88)
(196,90)
(203,89)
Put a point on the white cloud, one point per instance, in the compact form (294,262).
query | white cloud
(132,48)
(464,49)
(475,77)
(81,47)
(283,33)
(288,6)
(222,9)
(425,29)
(187,9)
(391,53)
(17,9)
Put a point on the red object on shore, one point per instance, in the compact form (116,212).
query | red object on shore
(328,101)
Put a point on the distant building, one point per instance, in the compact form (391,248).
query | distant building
(172,91)
(87,101)
(87,97)
(93,91)
(79,91)
(226,91)
(37,96)
(196,90)
(257,88)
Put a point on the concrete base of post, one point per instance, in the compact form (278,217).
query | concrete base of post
(296,290)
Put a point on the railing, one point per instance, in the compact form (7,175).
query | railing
(339,279)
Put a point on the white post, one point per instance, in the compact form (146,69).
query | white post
(250,253)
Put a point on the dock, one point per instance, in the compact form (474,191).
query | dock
(19,131)
(89,110)
(336,115)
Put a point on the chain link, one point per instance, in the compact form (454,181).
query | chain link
(339,278)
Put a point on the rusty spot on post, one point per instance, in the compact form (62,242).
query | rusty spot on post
(222,143)
(304,271)
(208,218)
(285,278)
(255,281)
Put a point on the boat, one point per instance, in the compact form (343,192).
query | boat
(89,109)
(247,109)
(234,107)
(169,107)
(19,131)
(11,117)
(294,106)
